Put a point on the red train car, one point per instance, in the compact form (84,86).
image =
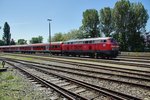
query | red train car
(94,47)
(55,48)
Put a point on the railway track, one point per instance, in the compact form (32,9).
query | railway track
(84,87)
(43,82)
(76,62)
(79,71)
(145,73)
(121,61)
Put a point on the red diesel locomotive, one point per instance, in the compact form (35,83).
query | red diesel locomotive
(94,47)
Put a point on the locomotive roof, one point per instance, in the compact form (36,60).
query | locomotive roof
(89,39)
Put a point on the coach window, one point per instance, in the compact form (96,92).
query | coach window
(80,42)
(90,42)
(86,42)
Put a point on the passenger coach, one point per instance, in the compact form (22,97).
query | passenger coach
(55,48)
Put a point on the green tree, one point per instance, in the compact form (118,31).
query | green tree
(80,33)
(106,21)
(6,35)
(12,42)
(73,34)
(121,21)
(129,20)
(38,39)
(22,41)
(90,22)
(138,22)
(58,37)
(2,43)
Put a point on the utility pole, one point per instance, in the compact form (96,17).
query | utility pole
(49,34)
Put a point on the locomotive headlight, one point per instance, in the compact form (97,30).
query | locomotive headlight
(104,45)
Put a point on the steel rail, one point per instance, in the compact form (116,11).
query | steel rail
(97,72)
(114,94)
(96,60)
(93,65)
(64,92)
(130,83)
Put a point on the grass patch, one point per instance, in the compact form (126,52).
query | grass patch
(1,64)
(14,88)
(8,84)
(10,77)
(20,58)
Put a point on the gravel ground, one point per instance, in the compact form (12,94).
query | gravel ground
(131,90)
(105,75)
(101,75)
(57,63)
(127,89)
(88,93)
(88,62)
(21,88)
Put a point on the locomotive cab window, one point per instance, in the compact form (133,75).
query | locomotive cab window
(97,41)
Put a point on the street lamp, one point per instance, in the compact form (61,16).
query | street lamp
(49,34)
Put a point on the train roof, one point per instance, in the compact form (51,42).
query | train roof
(37,44)
(90,39)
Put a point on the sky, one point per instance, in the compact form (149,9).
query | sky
(28,18)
